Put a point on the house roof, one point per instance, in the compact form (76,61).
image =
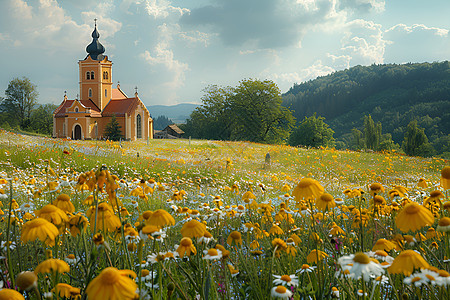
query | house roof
(61,110)
(175,128)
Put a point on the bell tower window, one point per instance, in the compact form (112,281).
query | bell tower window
(92,74)
(105,75)
(90,93)
(88,75)
(106,92)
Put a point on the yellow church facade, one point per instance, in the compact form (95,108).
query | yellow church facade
(87,117)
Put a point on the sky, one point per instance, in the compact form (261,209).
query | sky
(172,50)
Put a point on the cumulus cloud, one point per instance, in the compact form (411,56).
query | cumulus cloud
(163,8)
(311,72)
(162,55)
(260,23)
(363,6)
(44,24)
(364,42)
(409,43)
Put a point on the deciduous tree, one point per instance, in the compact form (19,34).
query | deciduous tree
(312,131)
(416,142)
(20,100)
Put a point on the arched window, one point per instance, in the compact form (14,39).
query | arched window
(92,74)
(105,75)
(90,93)
(76,109)
(88,75)
(106,92)
(64,129)
(138,127)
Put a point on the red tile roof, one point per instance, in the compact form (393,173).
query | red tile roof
(119,107)
(118,94)
(61,110)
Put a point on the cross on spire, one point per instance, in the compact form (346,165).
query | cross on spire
(95,21)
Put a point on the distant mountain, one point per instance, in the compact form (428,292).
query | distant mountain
(177,113)
(392,94)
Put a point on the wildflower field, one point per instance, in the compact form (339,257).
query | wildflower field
(179,219)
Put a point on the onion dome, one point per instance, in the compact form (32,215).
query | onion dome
(95,50)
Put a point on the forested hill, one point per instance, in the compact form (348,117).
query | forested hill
(392,94)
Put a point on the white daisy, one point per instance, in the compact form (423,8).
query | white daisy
(280,292)
(286,280)
(360,264)
(212,254)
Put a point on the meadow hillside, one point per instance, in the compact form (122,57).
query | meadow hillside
(180,219)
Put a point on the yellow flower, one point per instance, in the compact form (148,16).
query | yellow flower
(383,244)
(275,230)
(336,230)
(296,238)
(247,196)
(52,265)
(67,291)
(106,219)
(445,178)
(26,280)
(422,183)
(413,217)
(236,237)
(186,247)
(307,188)
(77,223)
(315,256)
(193,229)
(279,244)
(52,214)
(39,229)
(63,202)
(375,188)
(9,294)
(112,284)
(325,201)
(225,252)
(444,224)
(161,218)
(406,262)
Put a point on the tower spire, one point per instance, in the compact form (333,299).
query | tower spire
(95,49)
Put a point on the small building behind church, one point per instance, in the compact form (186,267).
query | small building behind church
(170,132)
(86,116)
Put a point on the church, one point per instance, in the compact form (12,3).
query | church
(87,116)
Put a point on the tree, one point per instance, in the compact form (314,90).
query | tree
(372,133)
(211,120)
(21,98)
(161,122)
(312,132)
(257,114)
(41,120)
(251,111)
(416,142)
(112,130)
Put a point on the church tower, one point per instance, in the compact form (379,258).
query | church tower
(95,74)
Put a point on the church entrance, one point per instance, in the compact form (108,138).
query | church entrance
(76,135)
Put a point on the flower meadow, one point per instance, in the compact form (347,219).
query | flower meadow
(179,219)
